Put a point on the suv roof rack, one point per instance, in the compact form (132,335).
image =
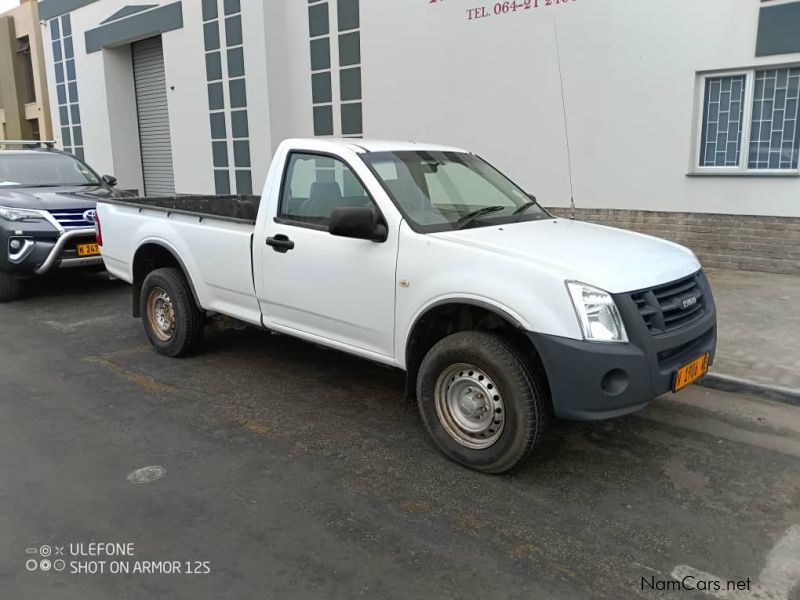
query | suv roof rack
(28,144)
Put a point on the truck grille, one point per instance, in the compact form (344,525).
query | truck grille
(72,218)
(671,306)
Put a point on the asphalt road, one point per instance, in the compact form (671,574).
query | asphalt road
(298,472)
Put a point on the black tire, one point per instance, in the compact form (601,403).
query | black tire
(10,288)
(523,400)
(187,322)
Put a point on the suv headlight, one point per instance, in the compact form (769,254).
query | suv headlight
(20,214)
(597,313)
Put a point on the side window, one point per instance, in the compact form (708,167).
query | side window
(315,185)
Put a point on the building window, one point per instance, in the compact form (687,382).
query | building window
(335,51)
(227,95)
(66,85)
(723,116)
(24,53)
(750,121)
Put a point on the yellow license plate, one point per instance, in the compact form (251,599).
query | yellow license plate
(88,249)
(690,372)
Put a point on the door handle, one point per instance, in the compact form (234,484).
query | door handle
(280,243)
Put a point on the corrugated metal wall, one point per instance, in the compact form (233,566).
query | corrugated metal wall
(151,103)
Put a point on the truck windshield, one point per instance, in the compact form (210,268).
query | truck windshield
(441,191)
(42,169)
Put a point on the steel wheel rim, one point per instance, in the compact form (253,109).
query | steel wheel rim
(470,406)
(161,314)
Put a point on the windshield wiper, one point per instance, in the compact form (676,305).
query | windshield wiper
(524,207)
(470,217)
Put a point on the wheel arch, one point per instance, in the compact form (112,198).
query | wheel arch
(152,255)
(451,315)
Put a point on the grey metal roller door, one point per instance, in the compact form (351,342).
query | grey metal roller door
(151,103)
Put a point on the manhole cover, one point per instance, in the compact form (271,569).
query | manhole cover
(147,474)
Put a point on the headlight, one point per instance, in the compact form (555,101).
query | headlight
(597,313)
(20,214)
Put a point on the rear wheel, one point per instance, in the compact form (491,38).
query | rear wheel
(480,402)
(172,320)
(10,288)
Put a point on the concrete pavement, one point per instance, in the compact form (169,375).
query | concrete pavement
(758,348)
(298,472)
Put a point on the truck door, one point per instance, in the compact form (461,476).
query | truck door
(314,283)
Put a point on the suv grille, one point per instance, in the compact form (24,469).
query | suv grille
(72,218)
(671,306)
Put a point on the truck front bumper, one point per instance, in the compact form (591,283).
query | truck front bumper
(596,380)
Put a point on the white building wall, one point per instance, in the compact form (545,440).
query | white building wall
(288,70)
(493,85)
(490,87)
(108,116)
(629,74)
(188,105)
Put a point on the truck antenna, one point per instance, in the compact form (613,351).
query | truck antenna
(566,127)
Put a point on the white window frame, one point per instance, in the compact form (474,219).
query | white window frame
(744,153)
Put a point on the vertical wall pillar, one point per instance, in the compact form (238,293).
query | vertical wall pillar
(15,125)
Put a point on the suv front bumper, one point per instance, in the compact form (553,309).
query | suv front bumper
(596,380)
(42,249)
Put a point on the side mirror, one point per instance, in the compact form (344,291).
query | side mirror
(532,197)
(109,180)
(357,222)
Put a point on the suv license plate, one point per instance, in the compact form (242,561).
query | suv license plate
(88,249)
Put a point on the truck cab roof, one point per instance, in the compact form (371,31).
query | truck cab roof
(360,146)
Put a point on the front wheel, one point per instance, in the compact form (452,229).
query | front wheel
(172,320)
(482,404)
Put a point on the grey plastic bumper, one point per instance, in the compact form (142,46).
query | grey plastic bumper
(591,380)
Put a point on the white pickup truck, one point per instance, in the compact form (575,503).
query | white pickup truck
(428,259)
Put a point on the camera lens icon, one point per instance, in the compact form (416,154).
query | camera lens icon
(45,550)
(45,564)
(31,564)
(59,565)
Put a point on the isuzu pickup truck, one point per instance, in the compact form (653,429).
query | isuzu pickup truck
(428,259)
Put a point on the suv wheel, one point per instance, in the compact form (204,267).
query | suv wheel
(481,403)
(10,288)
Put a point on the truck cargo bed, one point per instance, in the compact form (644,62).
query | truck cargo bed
(239,208)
